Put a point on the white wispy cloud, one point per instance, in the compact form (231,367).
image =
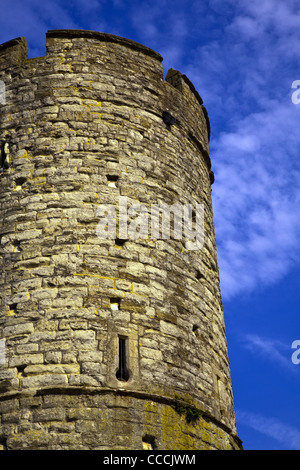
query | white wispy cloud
(271,350)
(256,198)
(288,436)
(254,144)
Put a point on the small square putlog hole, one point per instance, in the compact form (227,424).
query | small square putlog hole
(120,242)
(112,180)
(115,303)
(149,442)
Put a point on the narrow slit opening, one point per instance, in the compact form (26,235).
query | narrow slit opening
(4,165)
(195,329)
(122,372)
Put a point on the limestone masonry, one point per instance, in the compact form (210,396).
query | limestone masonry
(106,343)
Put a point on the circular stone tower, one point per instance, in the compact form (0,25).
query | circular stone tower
(111,322)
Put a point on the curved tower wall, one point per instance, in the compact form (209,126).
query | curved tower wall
(93,121)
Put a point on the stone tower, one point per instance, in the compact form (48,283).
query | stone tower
(113,342)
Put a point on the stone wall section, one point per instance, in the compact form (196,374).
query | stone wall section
(81,127)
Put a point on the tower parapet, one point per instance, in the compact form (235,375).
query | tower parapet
(109,342)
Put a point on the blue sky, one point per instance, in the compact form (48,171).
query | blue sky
(242,58)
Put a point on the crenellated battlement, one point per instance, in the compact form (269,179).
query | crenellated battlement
(71,34)
(60,43)
(13,53)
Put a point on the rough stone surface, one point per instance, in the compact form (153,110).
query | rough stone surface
(81,127)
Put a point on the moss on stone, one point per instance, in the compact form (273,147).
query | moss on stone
(188,410)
